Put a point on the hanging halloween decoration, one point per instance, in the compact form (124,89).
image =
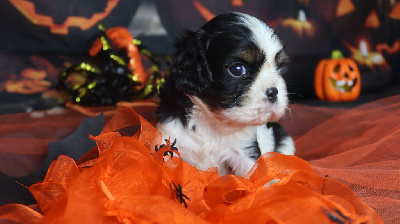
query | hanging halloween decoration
(113,72)
(28,9)
(337,79)
(372,20)
(344,7)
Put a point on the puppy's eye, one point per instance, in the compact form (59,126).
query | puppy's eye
(238,70)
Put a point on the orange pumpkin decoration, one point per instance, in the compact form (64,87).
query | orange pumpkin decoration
(337,79)
(29,10)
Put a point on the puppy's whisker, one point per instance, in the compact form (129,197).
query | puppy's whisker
(289,111)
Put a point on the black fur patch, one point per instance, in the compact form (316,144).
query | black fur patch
(279,134)
(282,60)
(201,68)
(230,44)
(173,105)
(254,150)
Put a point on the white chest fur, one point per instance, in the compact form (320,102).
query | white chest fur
(204,145)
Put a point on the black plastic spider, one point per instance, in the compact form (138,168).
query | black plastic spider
(180,195)
(337,216)
(172,147)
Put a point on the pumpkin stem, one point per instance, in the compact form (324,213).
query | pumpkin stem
(336,54)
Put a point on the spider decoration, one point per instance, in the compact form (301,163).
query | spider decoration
(179,194)
(337,216)
(177,187)
(169,145)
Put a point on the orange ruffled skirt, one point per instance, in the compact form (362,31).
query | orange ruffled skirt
(130,182)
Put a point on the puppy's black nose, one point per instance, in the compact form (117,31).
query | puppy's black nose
(272,94)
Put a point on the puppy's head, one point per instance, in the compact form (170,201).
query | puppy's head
(232,70)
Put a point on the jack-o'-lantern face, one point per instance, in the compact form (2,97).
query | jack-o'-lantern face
(337,80)
(198,12)
(343,77)
(64,14)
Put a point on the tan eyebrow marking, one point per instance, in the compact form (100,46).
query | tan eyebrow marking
(281,57)
(249,55)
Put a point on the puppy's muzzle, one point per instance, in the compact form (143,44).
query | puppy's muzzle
(271,94)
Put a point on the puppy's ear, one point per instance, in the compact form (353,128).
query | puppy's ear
(190,69)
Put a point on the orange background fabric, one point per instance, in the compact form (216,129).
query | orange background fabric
(353,169)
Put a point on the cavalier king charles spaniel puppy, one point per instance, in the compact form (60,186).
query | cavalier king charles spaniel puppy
(225,94)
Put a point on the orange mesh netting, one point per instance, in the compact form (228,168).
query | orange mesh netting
(361,149)
(129,182)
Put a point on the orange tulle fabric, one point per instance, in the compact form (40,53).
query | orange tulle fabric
(131,182)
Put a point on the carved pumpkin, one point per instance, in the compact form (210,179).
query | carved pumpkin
(177,15)
(28,9)
(337,79)
(59,26)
